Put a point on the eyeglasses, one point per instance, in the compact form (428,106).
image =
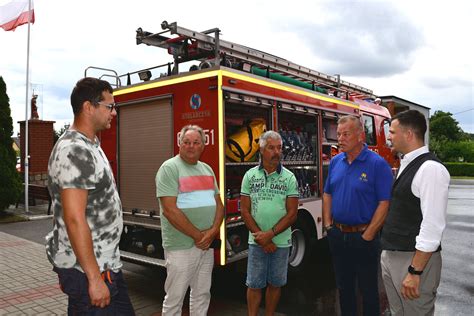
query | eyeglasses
(110,106)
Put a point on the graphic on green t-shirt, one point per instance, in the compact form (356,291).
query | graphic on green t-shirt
(268,194)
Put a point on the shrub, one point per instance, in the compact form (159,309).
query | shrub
(459,151)
(462,151)
(10,183)
(460,169)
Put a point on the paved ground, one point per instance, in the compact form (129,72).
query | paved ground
(28,285)
(456,290)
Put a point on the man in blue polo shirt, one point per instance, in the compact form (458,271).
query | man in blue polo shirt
(355,203)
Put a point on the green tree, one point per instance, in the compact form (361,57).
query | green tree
(437,147)
(458,151)
(448,140)
(443,127)
(10,183)
(61,131)
(469,136)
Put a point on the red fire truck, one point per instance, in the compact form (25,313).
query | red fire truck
(234,93)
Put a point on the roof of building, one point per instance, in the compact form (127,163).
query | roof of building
(399,100)
(17,141)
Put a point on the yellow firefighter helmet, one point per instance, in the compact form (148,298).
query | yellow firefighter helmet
(243,144)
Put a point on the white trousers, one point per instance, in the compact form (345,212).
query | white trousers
(394,270)
(188,268)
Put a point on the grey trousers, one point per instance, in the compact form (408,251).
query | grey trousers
(394,270)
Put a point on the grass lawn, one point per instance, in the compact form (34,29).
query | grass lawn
(10,218)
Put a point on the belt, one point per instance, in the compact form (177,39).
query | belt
(106,276)
(351,228)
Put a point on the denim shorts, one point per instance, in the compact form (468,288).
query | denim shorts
(267,268)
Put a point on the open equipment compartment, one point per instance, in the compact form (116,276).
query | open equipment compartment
(299,132)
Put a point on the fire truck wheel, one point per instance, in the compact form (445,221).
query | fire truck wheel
(300,245)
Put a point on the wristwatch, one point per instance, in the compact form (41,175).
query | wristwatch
(411,270)
(327,228)
(274,230)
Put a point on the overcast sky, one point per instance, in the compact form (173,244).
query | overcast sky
(421,51)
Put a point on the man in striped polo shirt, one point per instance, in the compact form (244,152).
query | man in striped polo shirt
(191,213)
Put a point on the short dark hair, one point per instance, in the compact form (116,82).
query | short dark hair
(413,120)
(88,89)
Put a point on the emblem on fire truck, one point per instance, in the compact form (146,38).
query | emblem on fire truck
(195,101)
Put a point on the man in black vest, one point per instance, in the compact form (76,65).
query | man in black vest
(411,236)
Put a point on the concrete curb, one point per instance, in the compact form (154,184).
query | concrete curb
(462,181)
(36,217)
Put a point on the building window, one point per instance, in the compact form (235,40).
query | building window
(370,138)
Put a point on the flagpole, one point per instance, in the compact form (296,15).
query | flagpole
(26,111)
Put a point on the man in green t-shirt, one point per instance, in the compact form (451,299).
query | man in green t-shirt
(191,215)
(269,205)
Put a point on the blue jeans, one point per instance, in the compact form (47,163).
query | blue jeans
(267,268)
(75,285)
(355,259)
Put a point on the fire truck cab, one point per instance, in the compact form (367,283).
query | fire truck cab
(234,93)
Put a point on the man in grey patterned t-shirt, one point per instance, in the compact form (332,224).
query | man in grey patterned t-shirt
(83,246)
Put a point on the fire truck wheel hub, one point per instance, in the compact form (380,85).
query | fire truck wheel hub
(298,248)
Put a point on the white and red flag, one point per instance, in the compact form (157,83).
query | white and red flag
(15,13)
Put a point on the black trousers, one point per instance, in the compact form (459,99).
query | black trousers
(75,285)
(355,259)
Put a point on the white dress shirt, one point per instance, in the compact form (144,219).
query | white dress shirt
(430,185)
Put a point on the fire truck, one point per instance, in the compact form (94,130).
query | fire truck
(234,93)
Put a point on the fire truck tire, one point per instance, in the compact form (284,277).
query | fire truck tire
(301,244)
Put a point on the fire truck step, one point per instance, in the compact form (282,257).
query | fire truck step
(133,257)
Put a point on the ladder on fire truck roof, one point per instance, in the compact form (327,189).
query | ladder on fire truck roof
(203,46)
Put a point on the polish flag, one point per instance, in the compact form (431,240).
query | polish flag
(15,13)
